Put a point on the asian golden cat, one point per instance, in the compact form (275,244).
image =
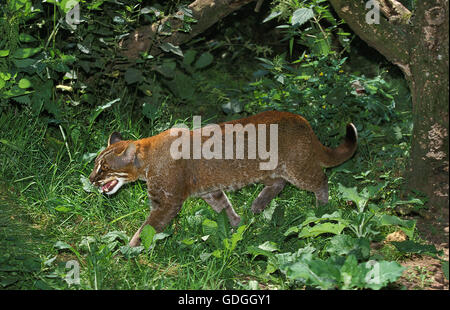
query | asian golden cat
(300,159)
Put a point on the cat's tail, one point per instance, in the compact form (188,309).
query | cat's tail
(334,157)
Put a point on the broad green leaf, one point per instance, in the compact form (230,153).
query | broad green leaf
(292,230)
(150,110)
(160,236)
(217,253)
(24,63)
(410,246)
(411,201)
(62,209)
(24,37)
(407,226)
(347,245)
(322,228)
(301,16)
(14,92)
(114,235)
(255,251)
(147,235)
(386,219)
(335,216)
(133,75)
(322,46)
(182,85)
(6,76)
(87,185)
(317,272)
(204,60)
(188,241)
(87,242)
(26,52)
(284,260)
(167,69)
(4,267)
(271,16)
(352,274)
(209,227)
(236,237)
(4,53)
(118,20)
(95,5)
(169,47)
(130,252)
(24,83)
(189,57)
(101,108)
(61,245)
(186,11)
(8,280)
(269,246)
(382,273)
(67,5)
(17,4)
(352,194)
(83,48)
(223,225)
(23,99)
(32,264)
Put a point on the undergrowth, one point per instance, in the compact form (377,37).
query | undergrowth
(58,234)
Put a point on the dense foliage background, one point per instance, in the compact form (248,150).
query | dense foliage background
(65,88)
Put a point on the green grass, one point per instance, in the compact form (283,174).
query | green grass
(45,207)
(43,185)
(48,219)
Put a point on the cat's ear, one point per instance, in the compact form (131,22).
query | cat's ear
(114,137)
(130,153)
(128,156)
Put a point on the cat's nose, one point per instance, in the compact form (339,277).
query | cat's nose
(92,178)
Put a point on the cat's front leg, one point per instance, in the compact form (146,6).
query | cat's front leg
(269,192)
(161,214)
(218,200)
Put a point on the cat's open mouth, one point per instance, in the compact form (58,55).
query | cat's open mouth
(109,186)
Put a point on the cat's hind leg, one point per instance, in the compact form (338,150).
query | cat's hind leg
(219,201)
(316,181)
(268,193)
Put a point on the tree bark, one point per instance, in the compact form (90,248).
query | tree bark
(419,47)
(206,12)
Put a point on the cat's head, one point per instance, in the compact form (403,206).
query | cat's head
(116,165)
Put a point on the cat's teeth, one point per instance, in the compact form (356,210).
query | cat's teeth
(108,186)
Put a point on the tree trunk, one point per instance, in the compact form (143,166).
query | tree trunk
(428,170)
(419,46)
(150,38)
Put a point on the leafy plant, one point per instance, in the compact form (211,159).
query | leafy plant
(313,226)
(318,38)
(218,233)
